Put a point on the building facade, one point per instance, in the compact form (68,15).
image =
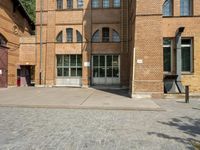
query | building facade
(14,23)
(149,47)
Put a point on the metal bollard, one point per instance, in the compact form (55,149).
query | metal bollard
(187,92)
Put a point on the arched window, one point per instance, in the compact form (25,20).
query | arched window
(3,40)
(59,4)
(95,3)
(79,37)
(69,4)
(115,36)
(116,3)
(59,37)
(79,3)
(168,8)
(69,32)
(96,36)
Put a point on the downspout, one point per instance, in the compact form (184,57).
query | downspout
(41,26)
(178,59)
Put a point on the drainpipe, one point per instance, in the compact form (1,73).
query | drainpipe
(178,59)
(41,23)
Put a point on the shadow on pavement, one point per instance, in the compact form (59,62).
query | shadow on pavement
(187,125)
(120,92)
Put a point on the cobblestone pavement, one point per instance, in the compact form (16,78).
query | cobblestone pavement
(67,129)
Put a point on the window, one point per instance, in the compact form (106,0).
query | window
(167,52)
(115,36)
(105,34)
(95,37)
(69,34)
(116,3)
(106,66)
(79,37)
(168,8)
(59,4)
(69,4)
(59,37)
(79,3)
(106,3)
(95,3)
(69,65)
(186,7)
(3,40)
(187,55)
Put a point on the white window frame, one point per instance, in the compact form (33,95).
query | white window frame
(172,56)
(191,56)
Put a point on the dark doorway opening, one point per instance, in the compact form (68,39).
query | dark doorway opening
(26,75)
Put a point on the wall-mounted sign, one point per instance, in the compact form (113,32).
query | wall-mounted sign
(1,72)
(86,64)
(139,61)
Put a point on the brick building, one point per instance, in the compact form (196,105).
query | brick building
(14,23)
(146,46)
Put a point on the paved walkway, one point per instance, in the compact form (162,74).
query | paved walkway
(177,128)
(73,98)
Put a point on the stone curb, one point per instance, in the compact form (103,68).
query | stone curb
(84,107)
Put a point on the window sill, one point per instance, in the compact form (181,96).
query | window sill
(187,73)
(107,8)
(70,9)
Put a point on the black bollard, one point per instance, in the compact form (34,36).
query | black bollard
(187,92)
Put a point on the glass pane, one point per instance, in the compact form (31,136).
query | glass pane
(116,72)
(73,72)
(186,41)
(102,71)
(102,61)
(105,34)
(79,72)
(69,3)
(95,37)
(167,8)
(79,37)
(66,60)
(109,71)
(59,4)
(59,60)
(59,72)
(166,41)
(106,3)
(80,4)
(186,7)
(66,72)
(116,3)
(69,35)
(79,60)
(73,60)
(115,61)
(95,61)
(167,59)
(95,72)
(109,60)
(186,59)
(95,3)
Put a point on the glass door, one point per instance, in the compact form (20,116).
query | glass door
(106,70)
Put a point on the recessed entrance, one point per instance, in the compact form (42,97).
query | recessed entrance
(106,70)
(3,67)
